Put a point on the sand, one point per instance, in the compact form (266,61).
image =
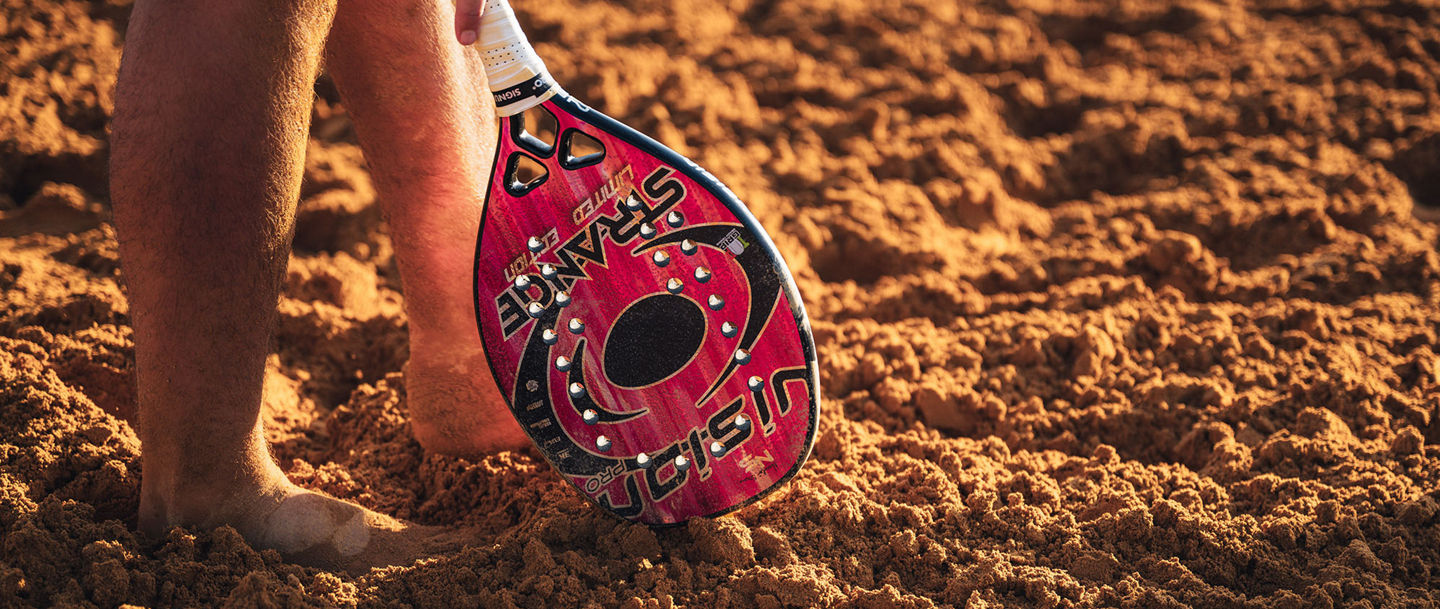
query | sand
(1117,304)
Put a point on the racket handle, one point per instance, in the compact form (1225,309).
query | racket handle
(518,78)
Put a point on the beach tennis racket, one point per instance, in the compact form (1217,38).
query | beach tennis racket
(641,324)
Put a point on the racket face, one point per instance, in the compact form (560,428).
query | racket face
(643,328)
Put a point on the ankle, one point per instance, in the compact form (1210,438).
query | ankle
(436,341)
(207,490)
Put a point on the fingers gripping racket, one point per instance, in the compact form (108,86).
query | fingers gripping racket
(641,324)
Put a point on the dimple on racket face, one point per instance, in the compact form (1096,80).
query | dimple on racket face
(645,331)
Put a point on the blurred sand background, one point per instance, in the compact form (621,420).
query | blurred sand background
(1117,304)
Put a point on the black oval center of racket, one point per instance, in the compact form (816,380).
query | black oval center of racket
(652,339)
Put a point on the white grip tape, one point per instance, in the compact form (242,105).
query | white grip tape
(509,59)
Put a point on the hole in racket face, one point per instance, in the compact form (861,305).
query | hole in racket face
(523,174)
(535,130)
(578,149)
(653,339)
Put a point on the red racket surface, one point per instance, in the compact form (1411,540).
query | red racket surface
(646,333)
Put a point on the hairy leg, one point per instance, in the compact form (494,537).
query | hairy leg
(426,122)
(212,107)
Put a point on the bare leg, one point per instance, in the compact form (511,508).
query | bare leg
(426,121)
(209,138)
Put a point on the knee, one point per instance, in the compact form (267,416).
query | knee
(257,18)
(267,7)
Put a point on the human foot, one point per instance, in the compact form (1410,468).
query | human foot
(304,526)
(315,529)
(455,407)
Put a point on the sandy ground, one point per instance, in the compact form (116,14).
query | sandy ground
(1117,304)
